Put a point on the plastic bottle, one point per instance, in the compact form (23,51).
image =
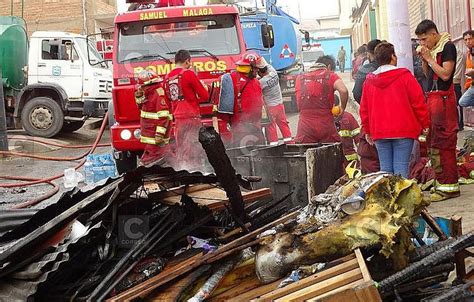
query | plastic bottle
(109,166)
(88,170)
(98,168)
(70,179)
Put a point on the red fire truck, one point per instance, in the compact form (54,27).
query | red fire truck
(148,39)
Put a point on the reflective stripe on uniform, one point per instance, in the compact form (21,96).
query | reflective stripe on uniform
(349,133)
(154,141)
(161,130)
(447,188)
(156,115)
(345,133)
(471,174)
(140,100)
(351,157)
(160,91)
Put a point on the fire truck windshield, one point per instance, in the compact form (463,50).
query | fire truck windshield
(216,35)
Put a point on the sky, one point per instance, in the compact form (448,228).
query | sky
(309,9)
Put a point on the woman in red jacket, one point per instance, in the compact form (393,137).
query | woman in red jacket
(393,111)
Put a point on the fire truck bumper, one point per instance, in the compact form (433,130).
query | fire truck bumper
(126,137)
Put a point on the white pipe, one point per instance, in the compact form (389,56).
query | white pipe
(399,32)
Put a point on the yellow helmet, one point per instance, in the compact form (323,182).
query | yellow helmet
(244,68)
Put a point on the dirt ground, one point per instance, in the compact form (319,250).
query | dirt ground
(462,205)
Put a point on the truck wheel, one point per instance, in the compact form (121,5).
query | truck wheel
(42,116)
(69,127)
(125,161)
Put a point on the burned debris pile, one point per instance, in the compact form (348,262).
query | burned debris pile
(156,234)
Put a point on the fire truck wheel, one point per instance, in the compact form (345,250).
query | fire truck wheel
(72,126)
(42,116)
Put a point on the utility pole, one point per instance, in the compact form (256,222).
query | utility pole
(3,118)
(399,32)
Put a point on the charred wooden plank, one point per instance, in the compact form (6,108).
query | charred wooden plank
(172,273)
(435,258)
(215,150)
(456,231)
(433,225)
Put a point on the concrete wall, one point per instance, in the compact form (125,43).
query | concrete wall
(361,30)
(418,11)
(60,15)
(345,14)
(382,20)
(331,47)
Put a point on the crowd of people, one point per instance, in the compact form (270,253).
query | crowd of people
(407,119)
(171,115)
(412,120)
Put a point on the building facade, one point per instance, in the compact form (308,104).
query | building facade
(453,16)
(77,16)
(364,23)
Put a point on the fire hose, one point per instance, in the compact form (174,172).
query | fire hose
(64,146)
(36,200)
(48,180)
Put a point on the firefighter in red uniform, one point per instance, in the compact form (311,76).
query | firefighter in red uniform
(368,156)
(349,131)
(315,99)
(439,60)
(185,91)
(246,117)
(155,118)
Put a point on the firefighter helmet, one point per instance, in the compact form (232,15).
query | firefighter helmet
(250,58)
(146,77)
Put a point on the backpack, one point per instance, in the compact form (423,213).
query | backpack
(173,87)
(315,85)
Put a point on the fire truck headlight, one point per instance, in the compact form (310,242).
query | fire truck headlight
(137,133)
(126,134)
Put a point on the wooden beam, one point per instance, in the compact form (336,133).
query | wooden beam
(209,196)
(143,289)
(225,172)
(363,266)
(456,231)
(323,287)
(313,279)
(257,292)
(433,225)
(339,294)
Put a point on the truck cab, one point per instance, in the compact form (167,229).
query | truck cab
(67,83)
(149,39)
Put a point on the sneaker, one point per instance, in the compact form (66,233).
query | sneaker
(437,196)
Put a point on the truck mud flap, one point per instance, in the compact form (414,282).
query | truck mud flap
(94,108)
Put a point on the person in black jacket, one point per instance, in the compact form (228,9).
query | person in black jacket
(418,66)
(365,70)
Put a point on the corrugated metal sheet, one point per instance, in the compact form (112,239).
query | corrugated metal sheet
(19,244)
(23,284)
